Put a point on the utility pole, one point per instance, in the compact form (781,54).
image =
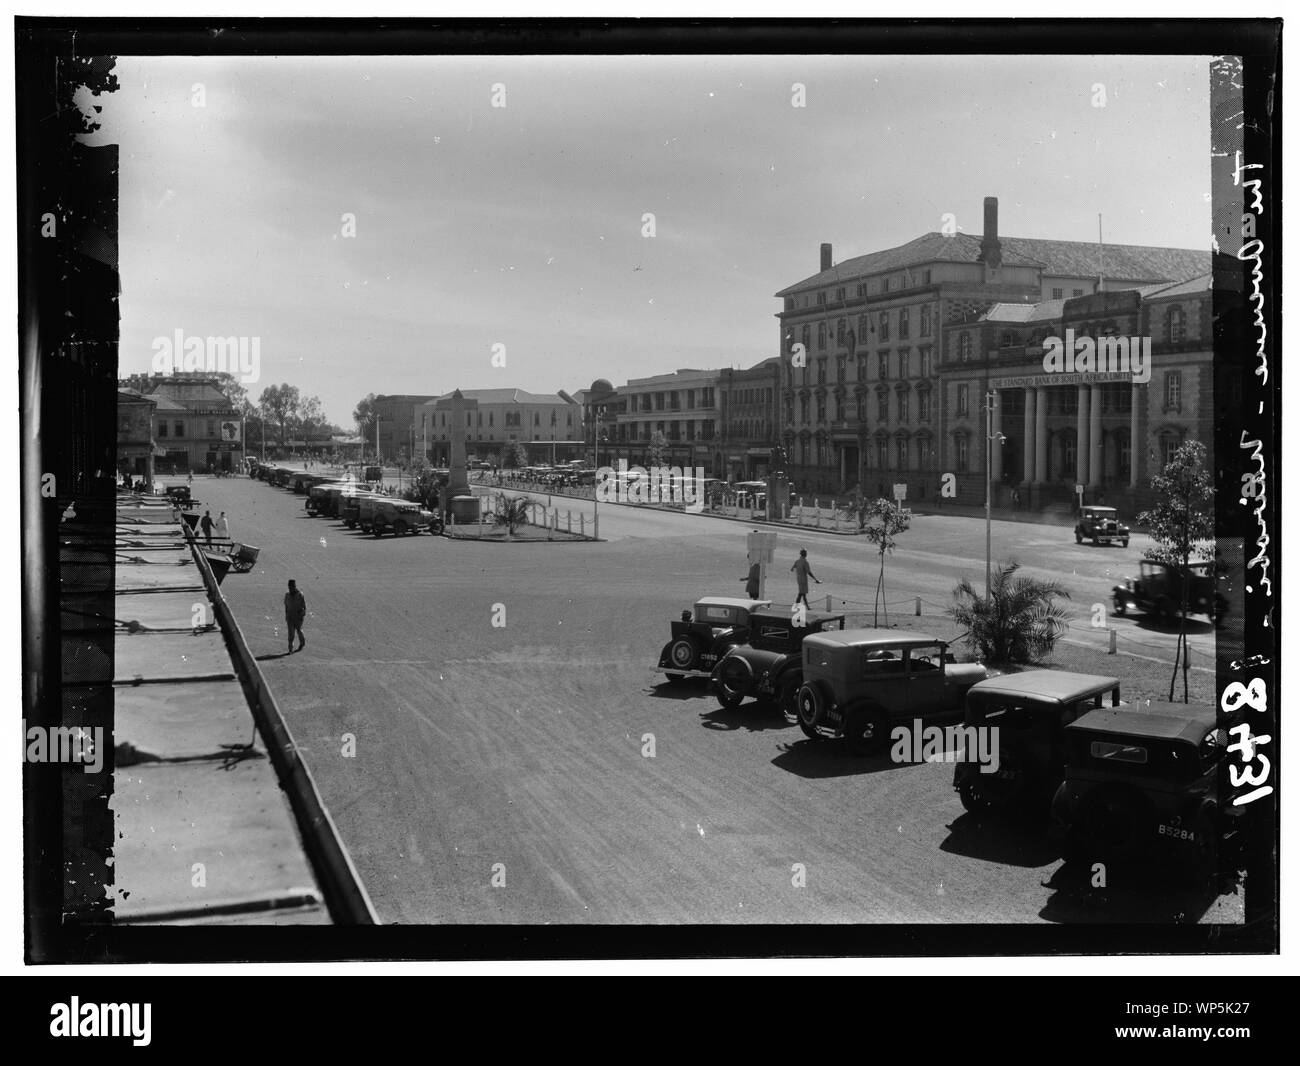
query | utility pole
(993,439)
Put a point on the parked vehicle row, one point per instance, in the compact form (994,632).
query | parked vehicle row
(1112,779)
(355,504)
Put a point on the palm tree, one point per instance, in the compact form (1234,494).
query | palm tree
(511,512)
(1018,622)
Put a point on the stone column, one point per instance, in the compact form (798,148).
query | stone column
(995,459)
(1096,457)
(1082,449)
(1028,450)
(1041,473)
(1133,443)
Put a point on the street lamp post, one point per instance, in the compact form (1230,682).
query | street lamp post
(990,402)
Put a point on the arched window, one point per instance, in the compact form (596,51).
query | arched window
(1177,325)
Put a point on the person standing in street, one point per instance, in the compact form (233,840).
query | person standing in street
(802,572)
(295,613)
(223,527)
(752,582)
(206,523)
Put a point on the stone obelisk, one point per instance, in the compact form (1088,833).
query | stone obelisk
(458,499)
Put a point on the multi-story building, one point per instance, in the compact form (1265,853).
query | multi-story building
(682,406)
(602,404)
(860,341)
(135,442)
(1061,427)
(195,425)
(549,425)
(399,430)
(748,420)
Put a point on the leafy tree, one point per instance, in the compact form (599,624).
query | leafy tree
(426,485)
(515,455)
(657,450)
(1181,525)
(281,404)
(233,390)
(881,521)
(364,416)
(1018,622)
(511,512)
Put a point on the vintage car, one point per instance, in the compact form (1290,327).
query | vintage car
(301,481)
(350,506)
(1030,711)
(770,662)
(1158,590)
(1148,781)
(703,636)
(179,495)
(1101,525)
(383,514)
(858,682)
(280,476)
(323,499)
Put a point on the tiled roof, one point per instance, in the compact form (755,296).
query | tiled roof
(1191,287)
(500,396)
(166,403)
(1043,311)
(1122,262)
(190,393)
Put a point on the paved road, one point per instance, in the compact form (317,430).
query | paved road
(519,753)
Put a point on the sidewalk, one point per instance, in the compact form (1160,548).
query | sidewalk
(204,834)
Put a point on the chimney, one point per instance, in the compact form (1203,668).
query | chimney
(826,257)
(990,246)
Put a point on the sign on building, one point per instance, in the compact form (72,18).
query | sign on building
(900,493)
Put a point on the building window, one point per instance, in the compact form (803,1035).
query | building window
(839,294)
(925,319)
(821,409)
(178,429)
(862,290)
(1170,444)
(1125,457)
(882,454)
(803,409)
(162,429)
(960,454)
(882,361)
(903,364)
(1057,294)
(926,276)
(821,335)
(862,408)
(925,362)
(1007,339)
(821,298)
(884,284)
(212,428)
(884,325)
(963,348)
(805,335)
(1173,390)
(863,327)
(1177,325)
(840,370)
(882,406)
(1078,292)
(902,405)
(963,399)
(904,323)
(923,405)
(490,417)
(840,327)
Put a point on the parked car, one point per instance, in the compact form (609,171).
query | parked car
(770,662)
(1146,781)
(1030,711)
(858,682)
(1101,525)
(1158,590)
(179,495)
(350,510)
(379,515)
(318,496)
(703,636)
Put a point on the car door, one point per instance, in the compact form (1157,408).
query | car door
(926,690)
(885,680)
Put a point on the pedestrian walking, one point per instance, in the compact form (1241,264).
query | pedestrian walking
(223,527)
(802,572)
(751,582)
(189,477)
(1015,499)
(206,523)
(295,613)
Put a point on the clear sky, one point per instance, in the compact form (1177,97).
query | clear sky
(523,225)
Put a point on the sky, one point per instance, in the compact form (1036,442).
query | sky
(524,225)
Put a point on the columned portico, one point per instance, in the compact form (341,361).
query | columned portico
(1030,451)
(1082,450)
(1133,443)
(1096,457)
(1040,434)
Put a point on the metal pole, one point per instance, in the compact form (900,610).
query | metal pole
(988,494)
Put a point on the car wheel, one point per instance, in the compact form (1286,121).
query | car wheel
(1078,537)
(734,679)
(1121,606)
(682,654)
(377,530)
(974,797)
(1124,543)
(867,731)
(810,706)
(982,792)
(399,528)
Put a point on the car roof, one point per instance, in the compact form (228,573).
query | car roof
(731,601)
(779,614)
(1044,685)
(1095,507)
(869,638)
(1166,721)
